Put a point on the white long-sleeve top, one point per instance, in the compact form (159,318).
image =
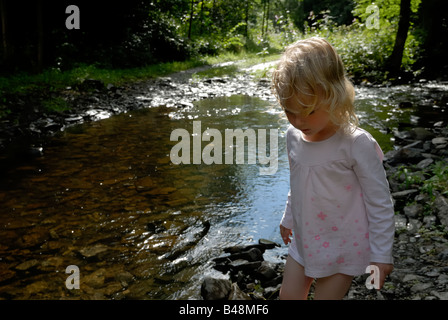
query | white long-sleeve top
(339,205)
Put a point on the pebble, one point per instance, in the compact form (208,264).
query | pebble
(92,251)
(27,265)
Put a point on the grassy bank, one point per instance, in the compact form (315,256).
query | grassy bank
(54,79)
(48,84)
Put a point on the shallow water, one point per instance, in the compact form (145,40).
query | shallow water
(106,197)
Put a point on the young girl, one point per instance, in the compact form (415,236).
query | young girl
(339,211)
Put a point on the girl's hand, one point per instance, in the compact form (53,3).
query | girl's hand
(385,270)
(286,234)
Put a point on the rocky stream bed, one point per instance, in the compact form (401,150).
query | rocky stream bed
(421,242)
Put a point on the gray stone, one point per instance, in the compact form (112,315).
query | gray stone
(266,271)
(419,133)
(441,208)
(420,287)
(429,221)
(237,294)
(89,252)
(400,222)
(95,279)
(439,141)
(413,225)
(440,295)
(27,265)
(425,163)
(404,194)
(215,289)
(253,254)
(413,210)
(404,155)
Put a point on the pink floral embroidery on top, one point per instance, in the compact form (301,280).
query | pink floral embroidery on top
(322,215)
(334,228)
(325,244)
(317,237)
(340,260)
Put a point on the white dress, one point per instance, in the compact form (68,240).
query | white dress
(339,205)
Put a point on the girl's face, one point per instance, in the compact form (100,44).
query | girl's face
(316,126)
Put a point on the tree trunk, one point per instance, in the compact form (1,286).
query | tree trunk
(435,41)
(246,20)
(5,41)
(191,19)
(394,62)
(267,17)
(201,17)
(40,38)
(262,22)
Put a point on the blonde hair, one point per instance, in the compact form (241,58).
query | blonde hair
(313,68)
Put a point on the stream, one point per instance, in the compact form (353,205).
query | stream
(106,197)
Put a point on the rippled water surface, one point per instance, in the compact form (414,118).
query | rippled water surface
(106,197)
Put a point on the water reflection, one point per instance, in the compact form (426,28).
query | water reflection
(105,196)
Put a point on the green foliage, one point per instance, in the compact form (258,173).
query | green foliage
(431,181)
(55,105)
(365,51)
(155,34)
(439,180)
(389,9)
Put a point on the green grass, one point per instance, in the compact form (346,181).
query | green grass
(241,61)
(55,105)
(52,81)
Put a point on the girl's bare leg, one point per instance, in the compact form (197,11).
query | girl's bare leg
(296,284)
(333,287)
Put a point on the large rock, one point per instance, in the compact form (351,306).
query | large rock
(441,208)
(413,210)
(93,251)
(237,294)
(215,289)
(419,133)
(251,255)
(405,155)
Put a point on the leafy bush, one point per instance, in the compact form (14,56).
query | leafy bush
(364,51)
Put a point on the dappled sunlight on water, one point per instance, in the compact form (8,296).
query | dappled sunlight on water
(105,196)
